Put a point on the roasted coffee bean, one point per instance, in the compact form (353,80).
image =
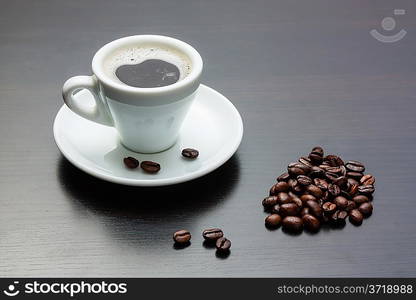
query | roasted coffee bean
(352,181)
(355,166)
(338,217)
(343,170)
(353,189)
(334,160)
(304,211)
(296,187)
(342,182)
(356,217)
(281,186)
(329,207)
(292,223)
(190,153)
(316,172)
(326,197)
(182,236)
(359,199)
(366,189)
(318,151)
(270,201)
(273,220)
(306,161)
(367,179)
(276,209)
(341,202)
(295,199)
(345,194)
(315,158)
(283,198)
(314,208)
(335,170)
(307,197)
(331,177)
(350,206)
(223,244)
(296,169)
(355,175)
(321,183)
(283,177)
(150,166)
(334,190)
(366,209)
(131,162)
(314,190)
(289,209)
(212,234)
(311,223)
(304,180)
(324,166)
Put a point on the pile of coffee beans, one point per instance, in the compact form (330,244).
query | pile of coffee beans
(153,167)
(317,190)
(211,236)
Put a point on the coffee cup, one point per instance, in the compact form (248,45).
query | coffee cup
(147,119)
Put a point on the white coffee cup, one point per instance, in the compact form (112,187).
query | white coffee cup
(147,120)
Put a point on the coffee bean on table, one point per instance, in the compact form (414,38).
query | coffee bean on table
(270,201)
(212,234)
(182,236)
(304,180)
(304,211)
(366,189)
(292,223)
(367,179)
(318,150)
(341,181)
(295,199)
(341,202)
(331,177)
(353,189)
(355,175)
(352,181)
(273,221)
(314,190)
(281,186)
(306,161)
(356,217)
(329,207)
(276,209)
(150,166)
(350,206)
(355,166)
(283,198)
(289,209)
(366,208)
(190,153)
(334,190)
(314,208)
(359,199)
(223,244)
(316,172)
(131,162)
(311,223)
(321,183)
(307,197)
(334,160)
(338,217)
(283,177)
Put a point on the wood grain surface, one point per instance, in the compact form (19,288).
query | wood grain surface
(301,73)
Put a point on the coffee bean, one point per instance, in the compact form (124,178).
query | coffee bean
(345,194)
(318,151)
(316,172)
(321,183)
(352,181)
(341,182)
(315,158)
(131,162)
(296,169)
(311,223)
(304,180)
(306,161)
(343,170)
(295,199)
(273,220)
(331,177)
(283,177)
(296,187)
(350,206)
(289,209)
(353,189)
(283,198)
(304,211)
(292,223)
(324,166)
(190,153)
(223,244)
(356,217)
(270,201)
(335,170)
(368,179)
(334,160)
(307,197)
(150,166)
(341,202)
(326,197)
(355,175)
(355,166)
(334,190)
(314,208)
(359,199)
(329,207)
(212,234)
(338,217)
(276,209)
(314,190)
(182,236)
(366,189)
(281,186)
(366,209)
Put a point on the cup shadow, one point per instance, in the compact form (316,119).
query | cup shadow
(149,204)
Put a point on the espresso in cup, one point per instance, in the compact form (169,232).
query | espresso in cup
(147,66)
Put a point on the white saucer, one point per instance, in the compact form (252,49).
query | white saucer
(213,126)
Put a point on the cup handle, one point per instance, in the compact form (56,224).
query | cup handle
(99,113)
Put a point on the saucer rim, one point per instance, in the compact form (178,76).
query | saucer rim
(163,181)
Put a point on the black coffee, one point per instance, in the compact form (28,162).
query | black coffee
(148,74)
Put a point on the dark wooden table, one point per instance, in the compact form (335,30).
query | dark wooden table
(302,73)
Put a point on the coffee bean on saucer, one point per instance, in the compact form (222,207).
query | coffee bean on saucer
(150,166)
(190,153)
(182,236)
(356,217)
(223,244)
(311,223)
(131,162)
(366,208)
(273,221)
(292,223)
(212,234)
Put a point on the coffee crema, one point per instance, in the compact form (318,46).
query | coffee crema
(147,66)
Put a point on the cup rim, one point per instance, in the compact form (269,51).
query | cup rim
(191,52)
